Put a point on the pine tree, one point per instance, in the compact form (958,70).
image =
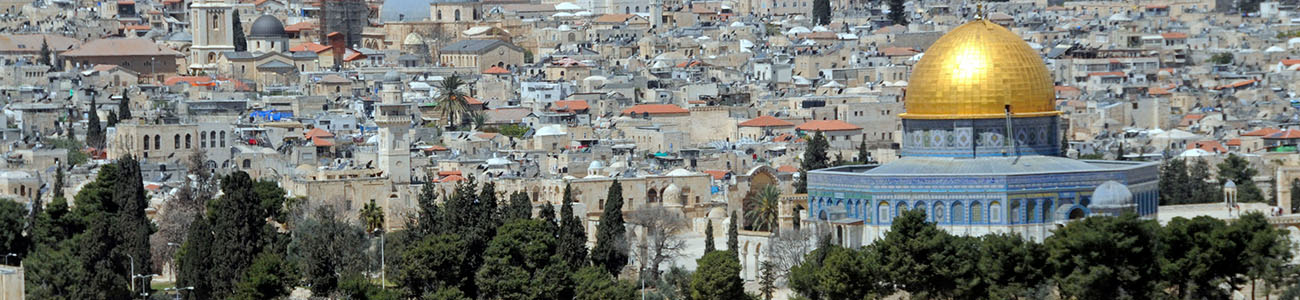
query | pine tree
(897,12)
(572,238)
(864,155)
(71,133)
(520,207)
(822,11)
(194,261)
(814,157)
(733,234)
(708,237)
(767,279)
(45,54)
(112,118)
(611,248)
(241,42)
(124,109)
(94,133)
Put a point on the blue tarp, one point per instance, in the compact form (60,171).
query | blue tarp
(270,115)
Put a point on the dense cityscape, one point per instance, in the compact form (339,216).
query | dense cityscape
(650,149)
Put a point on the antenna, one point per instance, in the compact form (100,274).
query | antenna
(1007,138)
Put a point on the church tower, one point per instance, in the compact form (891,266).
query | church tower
(394,123)
(213,22)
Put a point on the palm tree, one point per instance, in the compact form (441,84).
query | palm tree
(372,216)
(453,102)
(763,208)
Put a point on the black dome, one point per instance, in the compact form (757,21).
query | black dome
(267,26)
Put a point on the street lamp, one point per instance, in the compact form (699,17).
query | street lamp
(144,291)
(7,257)
(178,291)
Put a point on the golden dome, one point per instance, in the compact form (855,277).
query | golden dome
(974,71)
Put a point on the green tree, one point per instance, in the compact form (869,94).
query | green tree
(53,225)
(593,283)
(1202,191)
(717,277)
(763,208)
(241,42)
(46,54)
(271,200)
(433,264)
(521,256)
(1295,196)
(1237,169)
(733,234)
(112,118)
(267,278)
(926,261)
(898,12)
(238,220)
(1196,256)
(572,237)
(1264,250)
(94,133)
(835,272)
(428,214)
(1105,258)
(13,219)
(864,154)
(1220,58)
(452,102)
(194,262)
(325,247)
(822,12)
(708,237)
(357,287)
(446,294)
(766,279)
(124,109)
(1010,266)
(814,157)
(611,248)
(372,216)
(1175,184)
(520,207)
(58,181)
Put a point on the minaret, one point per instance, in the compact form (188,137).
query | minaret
(656,13)
(212,21)
(394,122)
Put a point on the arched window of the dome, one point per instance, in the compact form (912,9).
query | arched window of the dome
(958,216)
(976,213)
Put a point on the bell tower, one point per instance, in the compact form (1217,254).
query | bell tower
(213,22)
(394,123)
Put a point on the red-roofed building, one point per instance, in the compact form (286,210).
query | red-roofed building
(1237,85)
(496,70)
(655,110)
(571,106)
(1209,146)
(1287,65)
(763,126)
(787,169)
(717,174)
(1191,120)
(309,46)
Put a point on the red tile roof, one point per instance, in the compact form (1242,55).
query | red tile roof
(655,109)
(448,173)
(1157,91)
(1285,134)
(1234,142)
(766,121)
(1236,84)
(452,178)
(1262,132)
(1173,35)
(826,125)
(899,51)
(1208,146)
(787,169)
(613,18)
(717,174)
(1120,74)
(309,46)
(496,70)
(322,142)
(317,132)
(570,106)
(1290,62)
(300,26)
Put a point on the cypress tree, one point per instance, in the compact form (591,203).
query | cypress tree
(572,238)
(94,133)
(897,12)
(124,109)
(814,157)
(708,237)
(864,156)
(112,118)
(733,234)
(58,181)
(822,11)
(610,252)
(45,54)
(241,42)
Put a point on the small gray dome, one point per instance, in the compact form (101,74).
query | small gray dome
(267,26)
(1113,197)
(392,76)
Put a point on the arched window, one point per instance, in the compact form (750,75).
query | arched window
(883,212)
(203,139)
(187,141)
(995,212)
(157,141)
(223,138)
(976,213)
(146,143)
(457,13)
(248,163)
(439,15)
(958,215)
(1047,210)
(176,141)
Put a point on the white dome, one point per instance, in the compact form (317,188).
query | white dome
(595,78)
(1112,198)
(497,161)
(582,14)
(746,44)
(1274,49)
(595,165)
(680,172)
(737,24)
(798,30)
(549,130)
(820,28)
(567,6)
(562,15)
(564,27)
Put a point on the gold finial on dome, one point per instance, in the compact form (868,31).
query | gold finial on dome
(976,71)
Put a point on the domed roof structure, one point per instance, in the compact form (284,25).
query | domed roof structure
(717,213)
(392,76)
(974,72)
(595,165)
(267,26)
(1112,198)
